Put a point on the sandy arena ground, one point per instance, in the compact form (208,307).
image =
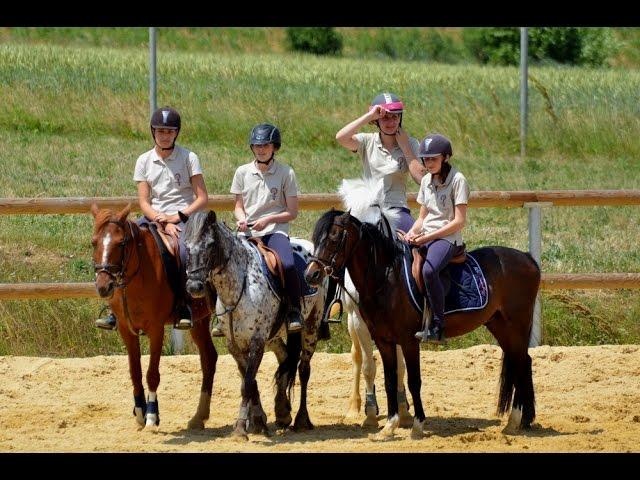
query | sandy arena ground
(587,399)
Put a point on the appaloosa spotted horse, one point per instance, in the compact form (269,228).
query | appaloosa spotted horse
(252,318)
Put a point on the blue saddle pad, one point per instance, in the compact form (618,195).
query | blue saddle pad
(274,282)
(468,286)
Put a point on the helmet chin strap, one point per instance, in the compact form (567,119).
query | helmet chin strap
(265,163)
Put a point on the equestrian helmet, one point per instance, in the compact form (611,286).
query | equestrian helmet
(165,117)
(435,144)
(389,101)
(264,134)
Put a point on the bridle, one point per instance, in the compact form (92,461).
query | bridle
(117,271)
(329,266)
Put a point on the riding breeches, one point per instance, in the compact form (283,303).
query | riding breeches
(437,254)
(281,244)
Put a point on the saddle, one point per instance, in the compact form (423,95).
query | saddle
(271,258)
(170,253)
(459,256)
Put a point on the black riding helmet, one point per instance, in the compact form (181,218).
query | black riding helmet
(391,102)
(263,134)
(165,117)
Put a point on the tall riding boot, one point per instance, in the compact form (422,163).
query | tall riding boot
(295,322)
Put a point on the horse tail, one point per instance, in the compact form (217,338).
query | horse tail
(507,382)
(290,365)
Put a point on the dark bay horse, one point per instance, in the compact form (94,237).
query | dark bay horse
(130,274)
(252,319)
(371,257)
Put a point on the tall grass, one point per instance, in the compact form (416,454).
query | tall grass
(75,118)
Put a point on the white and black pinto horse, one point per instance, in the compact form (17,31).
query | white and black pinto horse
(252,318)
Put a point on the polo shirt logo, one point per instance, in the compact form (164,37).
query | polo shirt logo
(177,178)
(274,193)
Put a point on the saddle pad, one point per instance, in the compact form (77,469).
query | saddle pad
(468,289)
(274,282)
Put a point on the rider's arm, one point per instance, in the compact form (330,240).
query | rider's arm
(144,197)
(346,135)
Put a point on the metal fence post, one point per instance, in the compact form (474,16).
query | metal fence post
(177,341)
(152,71)
(524,91)
(535,249)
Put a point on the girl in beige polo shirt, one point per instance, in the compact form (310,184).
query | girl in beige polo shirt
(443,196)
(389,153)
(266,201)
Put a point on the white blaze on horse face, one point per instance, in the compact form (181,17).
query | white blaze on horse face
(105,247)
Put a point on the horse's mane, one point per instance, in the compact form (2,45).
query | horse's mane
(195,225)
(101,219)
(324,224)
(364,199)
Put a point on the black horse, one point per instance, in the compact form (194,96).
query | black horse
(513,277)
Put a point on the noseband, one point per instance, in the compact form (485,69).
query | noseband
(117,271)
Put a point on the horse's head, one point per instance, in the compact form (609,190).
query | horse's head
(335,237)
(202,242)
(111,234)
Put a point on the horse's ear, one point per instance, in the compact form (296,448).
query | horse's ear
(211,216)
(124,213)
(184,218)
(94,209)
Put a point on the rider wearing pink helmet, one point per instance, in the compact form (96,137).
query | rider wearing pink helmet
(389,153)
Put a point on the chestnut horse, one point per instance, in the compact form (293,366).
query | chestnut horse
(372,254)
(130,274)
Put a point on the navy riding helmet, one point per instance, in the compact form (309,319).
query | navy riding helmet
(263,134)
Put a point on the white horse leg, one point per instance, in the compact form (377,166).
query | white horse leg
(356,358)
(513,425)
(152,413)
(406,419)
(387,431)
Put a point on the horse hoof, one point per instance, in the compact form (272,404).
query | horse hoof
(150,428)
(302,425)
(371,421)
(417,430)
(239,436)
(195,424)
(284,422)
(381,436)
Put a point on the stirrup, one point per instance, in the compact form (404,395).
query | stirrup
(183,324)
(216,331)
(107,323)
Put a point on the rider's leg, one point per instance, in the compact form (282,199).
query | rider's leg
(438,254)
(281,244)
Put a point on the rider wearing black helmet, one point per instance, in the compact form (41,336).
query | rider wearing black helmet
(443,198)
(170,181)
(266,201)
(389,153)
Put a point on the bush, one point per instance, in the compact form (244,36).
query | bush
(571,45)
(318,40)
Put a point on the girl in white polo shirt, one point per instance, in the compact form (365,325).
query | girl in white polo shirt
(170,180)
(266,201)
(443,196)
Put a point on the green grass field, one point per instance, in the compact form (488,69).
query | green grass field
(75,118)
